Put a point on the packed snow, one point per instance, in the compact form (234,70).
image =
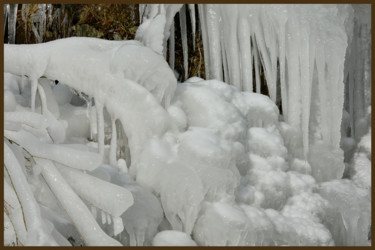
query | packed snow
(120,153)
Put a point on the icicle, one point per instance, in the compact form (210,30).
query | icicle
(200,55)
(100,126)
(192,18)
(284,96)
(34,86)
(93,211)
(22,84)
(113,148)
(270,56)
(118,225)
(49,10)
(182,15)
(141,9)
(43,99)
(305,86)
(245,55)
(256,66)
(294,101)
(321,69)
(25,14)
(6,6)
(42,21)
(172,47)
(203,22)
(266,61)
(225,65)
(214,47)
(335,76)
(231,46)
(104,217)
(93,121)
(12,21)
(109,219)
(88,113)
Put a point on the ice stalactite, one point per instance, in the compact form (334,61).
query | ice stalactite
(246,56)
(113,147)
(43,99)
(213,44)
(172,47)
(230,45)
(109,219)
(12,21)
(5,15)
(118,225)
(34,88)
(203,27)
(100,126)
(256,66)
(182,16)
(193,21)
(49,13)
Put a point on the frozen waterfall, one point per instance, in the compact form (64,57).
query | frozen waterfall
(214,162)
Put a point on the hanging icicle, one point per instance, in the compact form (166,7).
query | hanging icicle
(172,47)
(12,22)
(100,126)
(182,15)
(118,225)
(6,7)
(113,147)
(109,219)
(192,19)
(34,86)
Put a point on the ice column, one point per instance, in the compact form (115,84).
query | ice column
(12,21)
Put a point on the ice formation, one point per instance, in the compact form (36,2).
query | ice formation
(211,163)
(172,238)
